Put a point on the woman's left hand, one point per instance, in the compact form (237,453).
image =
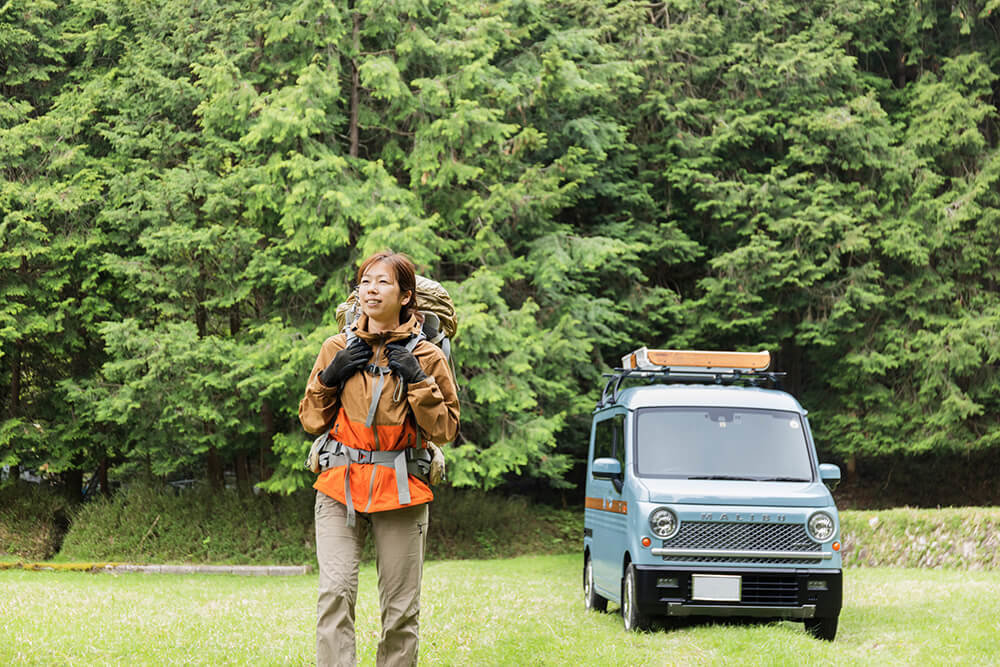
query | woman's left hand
(404,363)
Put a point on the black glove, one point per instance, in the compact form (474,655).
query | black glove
(404,363)
(347,362)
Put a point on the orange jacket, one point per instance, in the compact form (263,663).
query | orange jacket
(430,405)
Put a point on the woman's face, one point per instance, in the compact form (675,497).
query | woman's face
(379,294)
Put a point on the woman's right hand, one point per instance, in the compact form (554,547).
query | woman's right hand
(346,363)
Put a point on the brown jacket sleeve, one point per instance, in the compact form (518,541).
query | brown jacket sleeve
(319,405)
(434,400)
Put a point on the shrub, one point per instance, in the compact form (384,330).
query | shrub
(142,524)
(150,524)
(33,520)
(475,524)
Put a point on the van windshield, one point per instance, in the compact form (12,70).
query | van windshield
(722,443)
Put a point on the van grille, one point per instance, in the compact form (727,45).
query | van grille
(770,590)
(742,537)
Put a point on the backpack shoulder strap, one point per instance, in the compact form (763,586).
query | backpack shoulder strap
(415,339)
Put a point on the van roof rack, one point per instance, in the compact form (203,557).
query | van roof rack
(698,361)
(690,366)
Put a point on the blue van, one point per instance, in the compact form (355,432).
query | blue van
(704,496)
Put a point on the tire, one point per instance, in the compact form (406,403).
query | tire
(632,618)
(591,599)
(822,628)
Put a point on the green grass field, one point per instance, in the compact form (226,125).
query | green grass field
(521,611)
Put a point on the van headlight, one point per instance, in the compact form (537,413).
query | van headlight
(663,522)
(821,526)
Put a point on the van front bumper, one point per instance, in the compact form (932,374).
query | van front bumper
(789,593)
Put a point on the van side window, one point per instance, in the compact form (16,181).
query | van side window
(609,439)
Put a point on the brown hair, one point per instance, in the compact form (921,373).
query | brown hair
(405,273)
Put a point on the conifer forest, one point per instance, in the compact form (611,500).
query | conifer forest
(187,188)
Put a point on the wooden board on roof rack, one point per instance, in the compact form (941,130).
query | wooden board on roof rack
(696,361)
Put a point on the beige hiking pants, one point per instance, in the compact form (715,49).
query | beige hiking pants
(399,559)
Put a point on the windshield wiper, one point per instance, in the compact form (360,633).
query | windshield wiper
(782,479)
(725,477)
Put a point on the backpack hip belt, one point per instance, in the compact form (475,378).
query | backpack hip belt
(407,461)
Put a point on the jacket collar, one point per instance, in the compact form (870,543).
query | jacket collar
(409,328)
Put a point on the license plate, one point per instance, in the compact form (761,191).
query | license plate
(715,587)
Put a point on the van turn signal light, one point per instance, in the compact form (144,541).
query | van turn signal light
(646,541)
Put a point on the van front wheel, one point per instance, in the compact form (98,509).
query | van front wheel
(822,628)
(591,599)
(631,616)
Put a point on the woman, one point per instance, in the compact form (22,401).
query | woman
(380,402)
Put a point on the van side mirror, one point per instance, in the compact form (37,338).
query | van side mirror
(610,469)
(829,473)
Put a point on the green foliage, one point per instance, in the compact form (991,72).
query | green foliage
(33,521)
(146,524)
(470,523)
(187,191)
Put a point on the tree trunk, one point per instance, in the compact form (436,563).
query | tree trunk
(263,470)
(73,482)
(242,473)
(102,477)
(201,320)
(266,437)
(901,69)
(216,477)
(234,320)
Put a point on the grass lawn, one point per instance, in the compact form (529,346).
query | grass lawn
(522,611)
